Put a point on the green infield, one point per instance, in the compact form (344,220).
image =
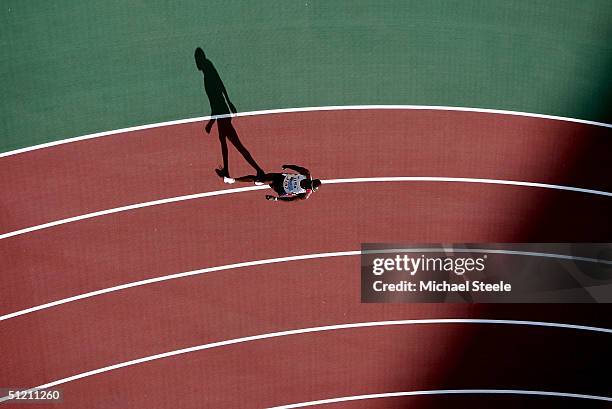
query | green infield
(69,67)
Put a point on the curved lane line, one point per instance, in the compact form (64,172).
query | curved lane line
(305,109)
(283,260)
(328,182)
(336,327)
(445,392)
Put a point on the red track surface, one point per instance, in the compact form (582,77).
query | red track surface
(67,180)
(113,171)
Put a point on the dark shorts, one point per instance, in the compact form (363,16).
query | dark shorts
(277,184)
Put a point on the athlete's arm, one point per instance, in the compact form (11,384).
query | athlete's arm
(298,169)
(231,106)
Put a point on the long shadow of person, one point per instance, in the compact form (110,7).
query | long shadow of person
(221,108)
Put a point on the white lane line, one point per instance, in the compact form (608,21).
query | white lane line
(467,180)
(445,392)
(174,276)
(327,182)
(284,260)
(305,109)
(130,207)
(300,331)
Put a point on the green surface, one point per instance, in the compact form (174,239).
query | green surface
(75,67)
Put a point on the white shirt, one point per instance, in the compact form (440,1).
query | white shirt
(292,185)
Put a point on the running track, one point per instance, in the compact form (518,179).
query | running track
(74,258)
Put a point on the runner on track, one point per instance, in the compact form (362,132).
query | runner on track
(288,186)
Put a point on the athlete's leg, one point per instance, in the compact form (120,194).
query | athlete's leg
(265,178)
(224,171)
(277,183)
(246,178)
(233,137)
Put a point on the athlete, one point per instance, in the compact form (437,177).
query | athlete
(288,186)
